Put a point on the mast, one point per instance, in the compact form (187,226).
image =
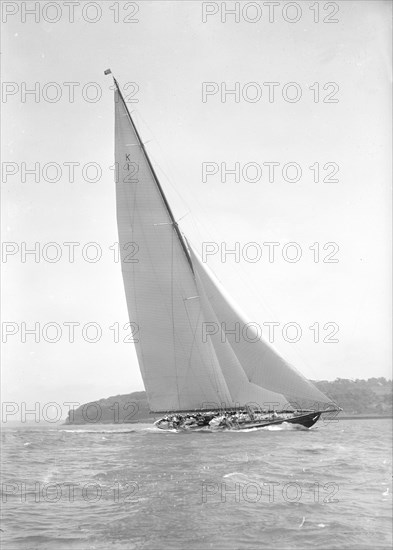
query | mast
(155,177)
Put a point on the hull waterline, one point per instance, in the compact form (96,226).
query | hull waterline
(306,420)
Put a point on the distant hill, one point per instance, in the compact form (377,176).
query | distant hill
(118,409)
(371,397)
(360,397)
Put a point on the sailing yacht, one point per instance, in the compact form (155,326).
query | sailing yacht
(195,379)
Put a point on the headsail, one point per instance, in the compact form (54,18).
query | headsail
(263,366)
(242,389)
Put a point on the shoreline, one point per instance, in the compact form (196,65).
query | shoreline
(364,417)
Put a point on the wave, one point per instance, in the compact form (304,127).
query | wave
(285,426)
(206,429)
(239,477)
(125,431)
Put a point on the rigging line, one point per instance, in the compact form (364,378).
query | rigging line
(191,196)
(213,359)
(168,178)
(215,379)
(189,369)
(239,272)
(214,351)
(209,367)
(193,331)
(168,308)
(213,369)
(173,320)
(186,214)
(206,227)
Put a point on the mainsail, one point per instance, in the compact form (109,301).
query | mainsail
(172,299)
(178,370)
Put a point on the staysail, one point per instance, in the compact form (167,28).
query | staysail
(172,299)
(263,366)
(242,389)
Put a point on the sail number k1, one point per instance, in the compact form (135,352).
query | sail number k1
(127,172)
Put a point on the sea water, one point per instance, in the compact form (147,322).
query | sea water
(126,487)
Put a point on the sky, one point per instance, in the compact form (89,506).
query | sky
(168,52)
